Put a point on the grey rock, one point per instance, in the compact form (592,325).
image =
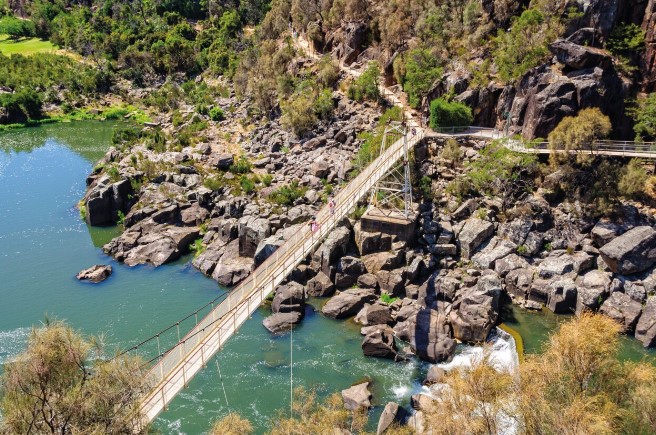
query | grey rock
(358,396)
(379,343)
(280,322)
(95,274)
(289,297)
(320,286)
(632,252)
(623,310)
(375,314)
(348,303)
(472,235)
(562,296)
(646,327)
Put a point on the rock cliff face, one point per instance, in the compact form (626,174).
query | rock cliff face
(581,77)
(648,64)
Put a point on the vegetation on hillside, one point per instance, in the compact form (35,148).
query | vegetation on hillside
(62,384)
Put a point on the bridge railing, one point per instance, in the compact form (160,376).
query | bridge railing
(178,365)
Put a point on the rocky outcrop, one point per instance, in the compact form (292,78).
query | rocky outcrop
(472,235)
(379,343)
(357,396)
(392,414)
(646,327)
(428,333)
(105,200)
(632,252)
(289,297)
(348,303)
(578,57)
(648,60)
(320,286)
(95,274)
(623,310)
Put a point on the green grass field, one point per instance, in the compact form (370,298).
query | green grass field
(25,46)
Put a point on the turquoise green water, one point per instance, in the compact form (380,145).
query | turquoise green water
(536,327)
(43,244)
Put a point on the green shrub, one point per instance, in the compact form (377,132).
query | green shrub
(444,114)
(323,105)
(421,71)
(121,218)
(216,114)
(247,185)
(197,247)
(113,173)
(525,45)
(626,39)
(298,113)
(632,180)
(365,87)
(287,195)
(426,187)
(17,28)
(213,183)
(241,166)
(387,299)
(267,179)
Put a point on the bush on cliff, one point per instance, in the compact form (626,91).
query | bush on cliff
(447,114)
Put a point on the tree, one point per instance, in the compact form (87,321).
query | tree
(61,384)
(645,116)
(312,417)
(524,46)
(579,133)
(421,70)
(632,180)
(365,87)
(447,114)
(576,386)
(232,424)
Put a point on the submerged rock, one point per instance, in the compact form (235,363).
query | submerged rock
(95,274)
(280,322)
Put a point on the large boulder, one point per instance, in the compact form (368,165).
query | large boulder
(357,396)
(252,230)
(95,274)
(348,303)
(472,235)
(579,57)
(392,414)
(646,328)
(231,268)
(368,243)
(379,343)
(632,252)
(333,248)
(320,286)
(269,245)
(280,322)
(289,297)
(475,311)
(561,297)
(623,310)
(375,314)
(428,333)
(387,260)
(105,200)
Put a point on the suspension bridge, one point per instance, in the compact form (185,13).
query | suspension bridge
(212,325)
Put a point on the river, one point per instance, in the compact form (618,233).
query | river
(45,243)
